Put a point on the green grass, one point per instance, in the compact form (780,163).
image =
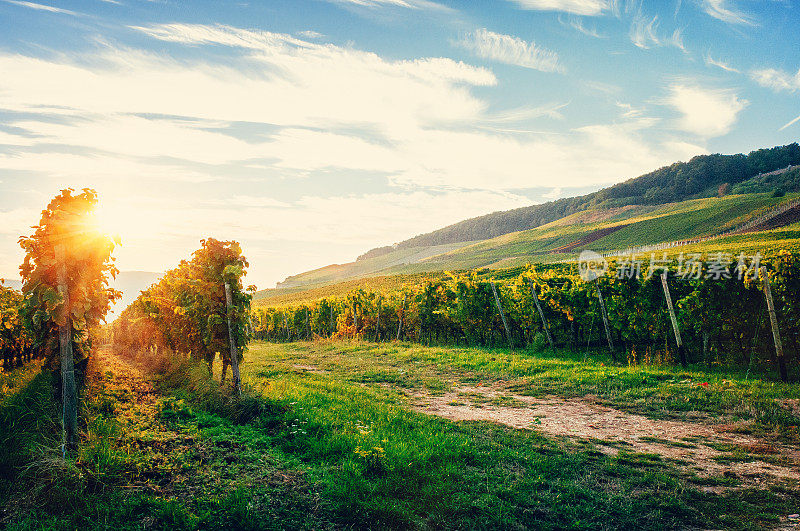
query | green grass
(383,465)
(340,447)
(172,463)
(656,391)
(14,380)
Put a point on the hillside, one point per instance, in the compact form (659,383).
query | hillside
(369,266)
(599,229)
(618,228)
(628,214)
(700,177)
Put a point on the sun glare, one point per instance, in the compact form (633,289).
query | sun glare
(112,220)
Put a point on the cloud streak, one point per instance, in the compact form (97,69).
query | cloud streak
(790,123)
(644,34)
(777,80)
(510,50)
(575,7)
(407,4)
(41,7)
(710,61)
(726,12)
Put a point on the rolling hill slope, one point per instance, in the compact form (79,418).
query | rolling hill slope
(674,202)
(700,177)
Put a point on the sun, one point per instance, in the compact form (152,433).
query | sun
(113,220)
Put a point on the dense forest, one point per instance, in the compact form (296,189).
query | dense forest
(702,176)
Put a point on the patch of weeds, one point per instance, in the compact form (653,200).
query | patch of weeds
(666,442)
(507,401)
(714,481)
(642,460)
(737,457)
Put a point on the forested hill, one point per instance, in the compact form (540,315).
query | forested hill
(702,176)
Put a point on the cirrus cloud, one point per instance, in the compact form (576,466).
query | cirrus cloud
(510,50)
(576,7)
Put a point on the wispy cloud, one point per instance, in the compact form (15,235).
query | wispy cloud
(644,33)
(551,110)
(310,34)
(41,7)
(117,119)
(576,7)
(777,80)
(628,110)
(705,112)
(510,50)
(710,61)
(790,123)
(727,12)
(577,23)
(408,4)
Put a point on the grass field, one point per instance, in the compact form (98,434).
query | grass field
(339,434)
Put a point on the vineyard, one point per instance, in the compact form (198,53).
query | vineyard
(198,310)
(721,312)
(15,346)
(345,265)
(423,400)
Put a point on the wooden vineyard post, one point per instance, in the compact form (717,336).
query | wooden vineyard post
(355,321)
(773,319)
(308,328)
(237,380)
(331,323)
(541,314)
(605,323)
(502,316)
(378,323)
(69,398)
(678,340)
(402,313)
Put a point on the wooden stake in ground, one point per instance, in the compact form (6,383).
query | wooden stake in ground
(678,340)
(378,324)
(605,323)
(69,396)
(308,328)
(237,379)
(402,313)
(541,314)
(773,319)
(502,316)
(355,320)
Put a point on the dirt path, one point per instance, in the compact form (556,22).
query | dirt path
(180,463)
(708,450)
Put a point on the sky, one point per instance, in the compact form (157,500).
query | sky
(313,130)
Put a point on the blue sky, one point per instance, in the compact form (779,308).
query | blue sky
(314,130)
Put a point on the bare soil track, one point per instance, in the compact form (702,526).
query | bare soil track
(704,448)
